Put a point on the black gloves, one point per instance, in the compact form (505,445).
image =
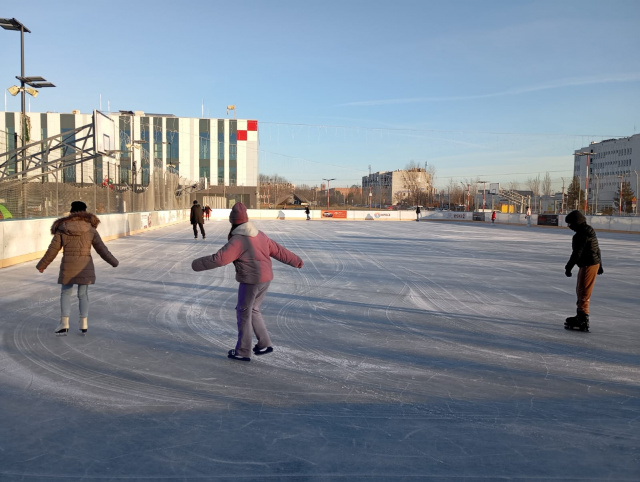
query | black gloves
(567,271)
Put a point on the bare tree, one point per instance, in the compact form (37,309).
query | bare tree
(533,184)
(546,184)
(431,172)
(415,183)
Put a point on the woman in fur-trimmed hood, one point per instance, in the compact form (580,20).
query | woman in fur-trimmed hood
(75,234)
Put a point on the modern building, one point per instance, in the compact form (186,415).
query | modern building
(220,153)
(611,162)
(396,187)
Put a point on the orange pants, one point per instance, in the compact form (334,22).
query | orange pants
(586,282)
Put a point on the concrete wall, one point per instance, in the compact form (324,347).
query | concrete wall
(27,239)
(299,214)
(602,223)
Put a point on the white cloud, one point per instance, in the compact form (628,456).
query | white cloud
(555,84)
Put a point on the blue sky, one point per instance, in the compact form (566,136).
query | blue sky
(497,90)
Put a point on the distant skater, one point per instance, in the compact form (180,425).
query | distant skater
(308,213)
(207,212)
(418,213)
(75,234)
(585,252)
(528,216)
(250,251)
(197,219)
(493,217)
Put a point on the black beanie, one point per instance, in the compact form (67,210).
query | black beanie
(575,217)
(78,206)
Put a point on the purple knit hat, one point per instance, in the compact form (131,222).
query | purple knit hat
(238,214)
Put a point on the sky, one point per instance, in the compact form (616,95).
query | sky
(491,90)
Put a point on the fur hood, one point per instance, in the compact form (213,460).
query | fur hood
(61,223)
(246,229)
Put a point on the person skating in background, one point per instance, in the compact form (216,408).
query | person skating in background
(585,252)
(75,234)
(528,216)
(308,213)
(417,213)
(197,219)
(250,250)
(207,212)
(493,217)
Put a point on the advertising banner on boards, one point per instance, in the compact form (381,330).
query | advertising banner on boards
(333,214)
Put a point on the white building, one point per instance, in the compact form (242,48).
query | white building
(395,187)
(222,151)
(610,162)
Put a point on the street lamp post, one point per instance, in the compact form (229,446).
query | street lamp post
(597,189)
(33,83)
(468,194)
(620,198)
(636,173)
(328,181)
(586,178)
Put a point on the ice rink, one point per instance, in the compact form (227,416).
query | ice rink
(403,351)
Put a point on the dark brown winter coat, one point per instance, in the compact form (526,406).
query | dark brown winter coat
(75,235)
(196,214)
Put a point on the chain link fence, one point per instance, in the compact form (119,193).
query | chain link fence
(49,198)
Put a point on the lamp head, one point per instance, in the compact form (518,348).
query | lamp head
(31,91)
(13,90)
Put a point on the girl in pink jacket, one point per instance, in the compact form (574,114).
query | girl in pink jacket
(250,251)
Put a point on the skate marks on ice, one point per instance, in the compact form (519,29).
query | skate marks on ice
(131,340)
(401,350)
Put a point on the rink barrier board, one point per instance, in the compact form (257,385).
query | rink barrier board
(27,239)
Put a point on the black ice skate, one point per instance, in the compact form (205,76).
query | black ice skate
(578,322)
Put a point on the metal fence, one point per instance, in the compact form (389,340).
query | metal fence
(34,199)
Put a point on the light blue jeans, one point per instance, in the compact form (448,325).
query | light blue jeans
(83,299)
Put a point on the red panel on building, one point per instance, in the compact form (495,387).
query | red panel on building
(252,125)
(242,135)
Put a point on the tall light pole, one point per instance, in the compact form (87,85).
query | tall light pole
(597,189)
(328,180)
(586,179)
(636,173)
(620,199)
(34,82)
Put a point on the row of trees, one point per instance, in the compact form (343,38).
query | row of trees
(622,199)
(458,192)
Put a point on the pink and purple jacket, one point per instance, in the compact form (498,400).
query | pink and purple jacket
(250,251)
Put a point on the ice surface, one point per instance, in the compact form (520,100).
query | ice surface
(422,351)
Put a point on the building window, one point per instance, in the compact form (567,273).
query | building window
(205,149)
(157,142)
(68,124)
(145,135)
(173,136)
(221,152)
(125,155)
(233,153)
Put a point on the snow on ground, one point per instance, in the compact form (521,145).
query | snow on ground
(429,351)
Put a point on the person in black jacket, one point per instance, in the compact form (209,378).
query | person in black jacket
(197,219)
(586,254)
